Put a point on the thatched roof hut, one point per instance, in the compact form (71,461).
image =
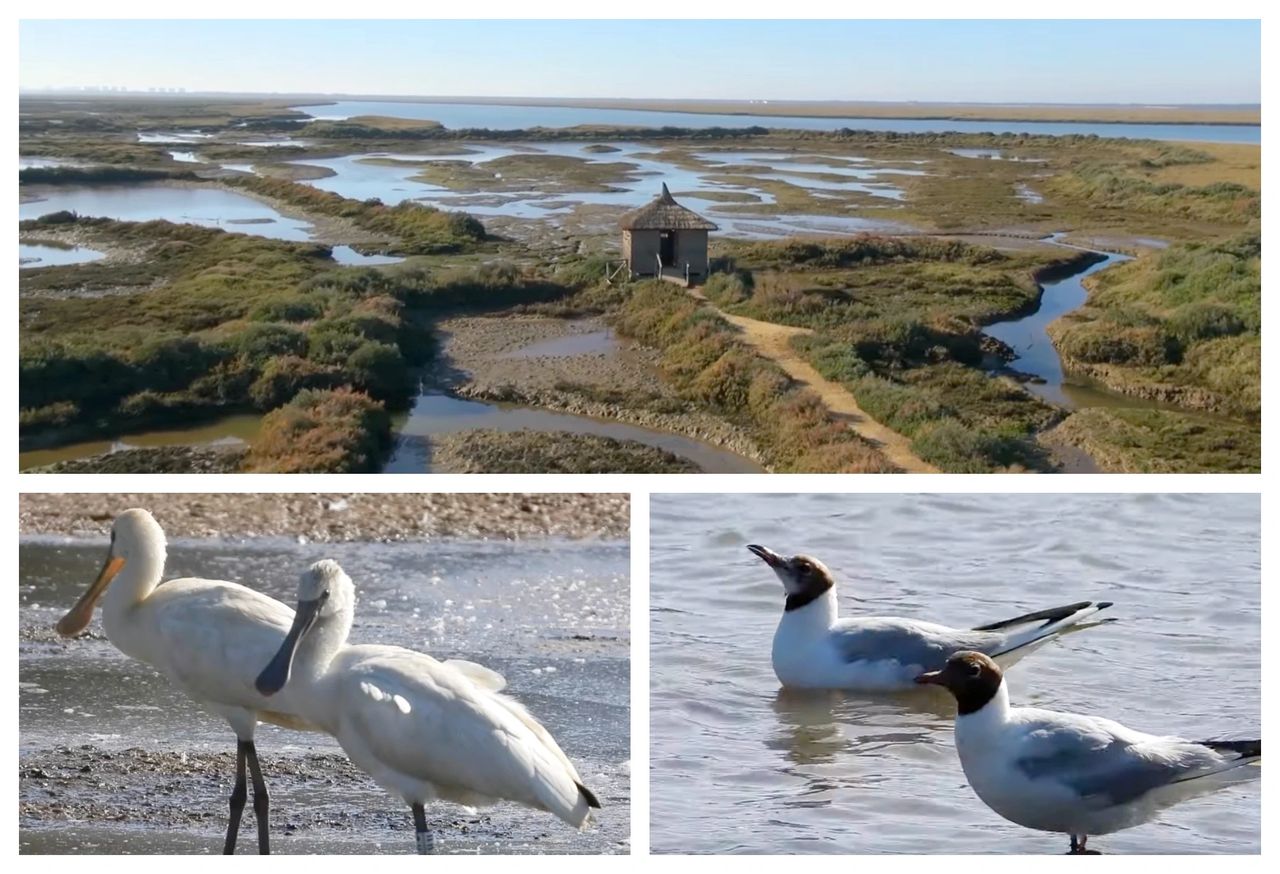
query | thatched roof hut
(664,239)
(664,214)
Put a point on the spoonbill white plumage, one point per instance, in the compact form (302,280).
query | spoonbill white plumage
(209,637)
(423,729)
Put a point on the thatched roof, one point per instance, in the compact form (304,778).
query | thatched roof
(664,214)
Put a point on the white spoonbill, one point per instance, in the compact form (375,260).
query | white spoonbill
(1079,775)
(815,649)
(424,729)
(210,638)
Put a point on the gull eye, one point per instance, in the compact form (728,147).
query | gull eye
(975,669)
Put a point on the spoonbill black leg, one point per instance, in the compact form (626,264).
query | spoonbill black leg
(260,801)
(426,843)
(1078,848)
(238,796)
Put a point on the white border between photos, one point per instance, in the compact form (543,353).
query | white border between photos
(640,487)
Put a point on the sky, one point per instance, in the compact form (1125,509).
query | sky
(956,61)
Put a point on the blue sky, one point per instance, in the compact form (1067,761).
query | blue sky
(984,61)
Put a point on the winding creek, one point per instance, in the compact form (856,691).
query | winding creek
(1036,355)
(1029,338)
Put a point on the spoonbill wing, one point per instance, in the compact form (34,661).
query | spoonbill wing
(485,678)
(212,638)
(412,719)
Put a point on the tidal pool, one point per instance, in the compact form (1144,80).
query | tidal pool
(349,256)
(207,206)
(31,255)
(390,178)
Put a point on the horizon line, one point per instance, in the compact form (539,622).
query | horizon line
(169,91)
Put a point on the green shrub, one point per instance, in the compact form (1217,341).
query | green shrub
(381,371)
(339,431)
(293,308)
(52,416)
(286,376)
(262,341)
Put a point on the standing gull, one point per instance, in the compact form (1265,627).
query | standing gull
(208,637)
(1079,775)
(815,649)
(425,730)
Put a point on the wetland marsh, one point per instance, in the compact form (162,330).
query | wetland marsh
(380,194)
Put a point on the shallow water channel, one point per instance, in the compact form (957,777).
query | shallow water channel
(126,759)
(740,766)
(1029,338)
(433,414)
(436,414)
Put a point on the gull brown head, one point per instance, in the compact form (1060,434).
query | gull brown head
(803,577)
(972,677)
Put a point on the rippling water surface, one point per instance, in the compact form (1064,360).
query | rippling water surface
(738,766)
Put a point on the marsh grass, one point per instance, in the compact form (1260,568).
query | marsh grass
(1163,441)
(234,323)
(1185,323)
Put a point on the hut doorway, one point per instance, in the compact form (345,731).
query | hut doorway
(667,248)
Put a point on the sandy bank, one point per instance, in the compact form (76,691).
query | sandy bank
(337,517)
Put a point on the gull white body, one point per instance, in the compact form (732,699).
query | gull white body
(424,729)
(813,648)
(1088,768)
(1078,775)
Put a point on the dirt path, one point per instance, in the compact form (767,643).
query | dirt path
(774,342)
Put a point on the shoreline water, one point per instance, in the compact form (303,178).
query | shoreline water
(905,111)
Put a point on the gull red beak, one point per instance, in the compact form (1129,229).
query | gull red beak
(930,678)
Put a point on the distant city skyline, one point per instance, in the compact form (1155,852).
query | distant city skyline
(997,62)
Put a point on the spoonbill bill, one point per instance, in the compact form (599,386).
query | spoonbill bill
(209,637)
(425,730)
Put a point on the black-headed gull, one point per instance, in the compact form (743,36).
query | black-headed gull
(814,649)
(1079,775)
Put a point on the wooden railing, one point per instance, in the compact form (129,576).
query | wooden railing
(614,269)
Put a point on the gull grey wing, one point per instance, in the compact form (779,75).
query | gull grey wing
(907,644)
(1114,772)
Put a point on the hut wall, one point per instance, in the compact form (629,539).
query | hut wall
(640,248)
(691,249)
